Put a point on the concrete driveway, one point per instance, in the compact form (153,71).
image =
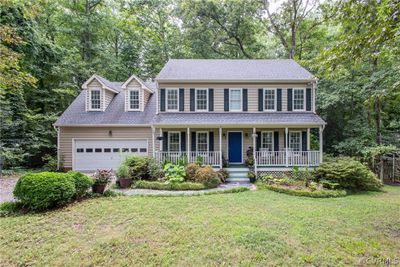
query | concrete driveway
(7,185)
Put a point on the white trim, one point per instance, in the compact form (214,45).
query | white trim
(197,140)
(195,100)
(241,99)
(227,146)
(101,97)
(273,141)
(169,143)
(102,138)
(133,76)
(275,99)
(129,99)
(304,99)
(166,99)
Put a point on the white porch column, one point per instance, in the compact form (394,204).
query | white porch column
(188,144)
(254,149)
(220,148)
(153,136)
(162,140)
(321,129)
(308,147)
(286,148)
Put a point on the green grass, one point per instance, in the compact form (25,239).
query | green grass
(249,228)
(325,193)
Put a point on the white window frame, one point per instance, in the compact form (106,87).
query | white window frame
(169,140)
(207,140)
(241,99)
(272,140)
(166,99)
(195,99)
(275,99)
(304,99)
(290,141)
(90,99)
(129,99)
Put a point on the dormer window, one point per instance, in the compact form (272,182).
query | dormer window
(95,99)
(172,99)
(134,100)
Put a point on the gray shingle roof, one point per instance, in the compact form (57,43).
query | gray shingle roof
(233,70)
(114,114)
(279,118)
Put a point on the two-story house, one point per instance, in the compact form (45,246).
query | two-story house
(219,110)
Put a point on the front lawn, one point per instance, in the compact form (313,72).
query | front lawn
(248,228)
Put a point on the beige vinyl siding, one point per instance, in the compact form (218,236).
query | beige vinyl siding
(219,92)
(146,96)
(108,98)
(68,133)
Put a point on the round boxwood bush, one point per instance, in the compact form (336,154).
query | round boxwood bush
(82,183)
(40,191)
(349,174)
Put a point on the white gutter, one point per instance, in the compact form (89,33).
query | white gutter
(58,146)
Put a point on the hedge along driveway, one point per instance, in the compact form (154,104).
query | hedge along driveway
(249,228)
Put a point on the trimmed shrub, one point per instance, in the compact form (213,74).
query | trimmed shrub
(10,208)
(223,175)
(39,191)
(304,193)
(169,186)
(350,174)
(204,174)
(213,182)
(191,169)
(82,183)
(143,168)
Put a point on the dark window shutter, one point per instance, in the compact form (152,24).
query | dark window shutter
(226,99)
(211,141)
(183,141)
(210,99)
(245,99)
(304,141)
(308,99)
(276,141)
(289,99)
(192,99)
(279,99)
(260,99)
(162,99)
(165,141)
(258,141)
(193,145)
(181,99)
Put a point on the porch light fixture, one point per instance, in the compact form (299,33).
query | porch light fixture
(246,135)
(254,135)
(110,133)
(224,135)
(159,138)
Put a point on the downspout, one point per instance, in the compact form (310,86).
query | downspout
(58,146)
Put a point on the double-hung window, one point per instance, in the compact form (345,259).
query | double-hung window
(201,99)
(202,141)
(269,99)
(295,141)
(235,100)
(267,141)
(174,141)
(298,99)
(172,99)
(94,99)
(134,99)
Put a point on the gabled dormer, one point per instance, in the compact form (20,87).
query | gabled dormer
(137,94)
(99,93)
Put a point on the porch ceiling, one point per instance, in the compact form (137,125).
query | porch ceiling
(278,119)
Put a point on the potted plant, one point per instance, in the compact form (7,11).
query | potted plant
(123,176)
(101,179)
(252,176)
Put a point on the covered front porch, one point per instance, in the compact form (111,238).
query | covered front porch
(230,146)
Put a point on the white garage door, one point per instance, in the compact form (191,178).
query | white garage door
(93,154)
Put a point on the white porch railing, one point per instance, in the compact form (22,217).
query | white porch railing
(294,158)
(208,158)
(173,157)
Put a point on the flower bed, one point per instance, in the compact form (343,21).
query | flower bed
(169,186)
(303,192)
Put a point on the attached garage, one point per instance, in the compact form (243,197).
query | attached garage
(105,153)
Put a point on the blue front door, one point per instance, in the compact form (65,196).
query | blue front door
(235,147)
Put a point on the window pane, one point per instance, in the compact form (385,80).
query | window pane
(202,142)
(89,150)
(125,150)
(201,99)
(172,99)
(98,150)
(269,101)
(107,150)
(143,150)
(79,150)
(298,99)
(95,99)
(115,150)
(134,150)
(134,99)
(295,141)
(266,141)
(235,100)
(174,142)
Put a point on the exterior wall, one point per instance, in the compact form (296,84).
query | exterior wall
(68,133)
(252,93)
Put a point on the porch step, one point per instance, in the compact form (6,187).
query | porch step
(238,175)
(238,180)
